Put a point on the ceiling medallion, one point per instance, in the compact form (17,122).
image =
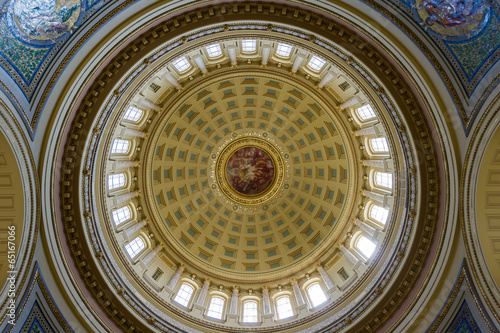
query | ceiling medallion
(249,170)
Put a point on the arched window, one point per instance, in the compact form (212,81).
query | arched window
(365,112)
(283,50)
(116,181)
(133,114)
(248,45)
(383,179)
(213,50)
(120,146)
(216,307)
(379,145)
(134,247)
(316,63)
(121,215)
(181,64)
(316,294)
(184,294)
(365,246)
(250,312)
(284,307)
(379,214)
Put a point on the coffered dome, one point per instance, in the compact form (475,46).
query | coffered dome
(253,166)
(204,217)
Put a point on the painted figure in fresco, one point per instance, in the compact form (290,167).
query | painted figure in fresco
(250,170)
(451,13)
(45,19)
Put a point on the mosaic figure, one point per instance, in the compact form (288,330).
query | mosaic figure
(453,17)
(45,19)
(250,171)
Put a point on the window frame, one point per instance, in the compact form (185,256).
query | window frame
(243,304)
(243,45)
(223,309)
(386,178)
(276,306)
(283,56)
(359,237)
(191,298)
(122,186)
(117,211)
(310,285)
(376,152)
(313,59)
(361,118)
(136,254)
(135,120)
(121,142)
(372,218)
(213,56)
(183,69)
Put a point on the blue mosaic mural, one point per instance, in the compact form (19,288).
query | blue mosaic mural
(466,31)
(468,34)
(464,321)
(31,33)
(36,321)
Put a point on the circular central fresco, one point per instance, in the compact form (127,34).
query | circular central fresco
(250,171)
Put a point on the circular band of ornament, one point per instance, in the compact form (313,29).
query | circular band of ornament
(250,171)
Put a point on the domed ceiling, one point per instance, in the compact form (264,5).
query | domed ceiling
(248,161)
(247,174)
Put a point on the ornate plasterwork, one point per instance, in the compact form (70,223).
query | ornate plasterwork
(36,310)
(462,298)
(218,172)
(25,163)
(410,110)
(487,126)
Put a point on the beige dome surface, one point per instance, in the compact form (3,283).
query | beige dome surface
(290,224)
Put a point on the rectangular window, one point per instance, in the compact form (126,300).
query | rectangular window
(157,274)
(343,274)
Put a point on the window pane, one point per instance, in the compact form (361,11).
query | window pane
(383,179)
(184,294)
(121,215)
(250,312)
(134,247)
(283,50)
(316,63)
(379,214)
(120,146)
(366,246)
(133,114)
(366,112)
(248,45)
(284,307)
(214,50)
(116,181)
(181,64)
(379,145)
(216,308)
(316,294)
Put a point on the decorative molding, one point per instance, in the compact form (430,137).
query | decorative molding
(454,299)
(38,309)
